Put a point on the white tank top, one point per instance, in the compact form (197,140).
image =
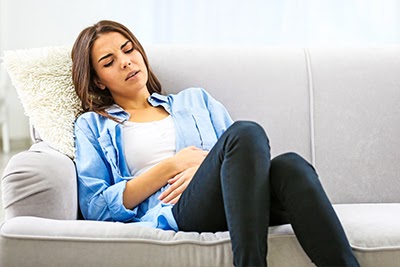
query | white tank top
(148,143)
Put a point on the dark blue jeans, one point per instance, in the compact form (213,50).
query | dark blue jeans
(238,188)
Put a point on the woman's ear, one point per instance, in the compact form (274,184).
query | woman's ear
(99,84)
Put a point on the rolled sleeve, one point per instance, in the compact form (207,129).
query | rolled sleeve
(114,198)
(99,197)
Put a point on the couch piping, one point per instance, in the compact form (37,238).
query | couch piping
(224,241)
(311,105)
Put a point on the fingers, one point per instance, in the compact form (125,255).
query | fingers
(175,190)
(174,179)
(174,194)
(175,183)
(171,197)
(178,184)
(175,199)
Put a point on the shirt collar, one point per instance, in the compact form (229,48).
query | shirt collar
(158,98)
(155,100)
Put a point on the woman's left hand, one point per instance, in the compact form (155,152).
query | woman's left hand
(178,184)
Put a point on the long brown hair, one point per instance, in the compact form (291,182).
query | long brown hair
(83,74)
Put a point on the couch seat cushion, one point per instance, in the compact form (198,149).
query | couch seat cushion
(372,229)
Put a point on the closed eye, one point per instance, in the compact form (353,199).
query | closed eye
(109,64)
(129,51)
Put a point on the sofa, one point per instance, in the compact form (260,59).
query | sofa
(338,107)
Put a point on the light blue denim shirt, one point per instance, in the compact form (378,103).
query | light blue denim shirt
(100,161)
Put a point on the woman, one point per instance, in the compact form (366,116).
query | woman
(179,161)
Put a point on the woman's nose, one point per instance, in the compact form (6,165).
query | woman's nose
(126,64)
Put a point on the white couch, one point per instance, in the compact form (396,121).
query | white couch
(338,107)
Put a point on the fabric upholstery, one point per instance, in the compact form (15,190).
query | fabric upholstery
(265,85)
(357,123)
(337,106)
(40,182)
(371,240)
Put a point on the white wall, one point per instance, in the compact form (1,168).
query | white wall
(27,24)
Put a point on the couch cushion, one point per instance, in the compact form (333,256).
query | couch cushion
(373,231)
(357,122)
(47,242)
(371,226)
(268,85)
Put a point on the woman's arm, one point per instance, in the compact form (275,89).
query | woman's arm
(99,197)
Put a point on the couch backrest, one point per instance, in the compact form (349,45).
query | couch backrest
(339,107)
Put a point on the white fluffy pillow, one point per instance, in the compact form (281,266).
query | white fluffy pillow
(42,77)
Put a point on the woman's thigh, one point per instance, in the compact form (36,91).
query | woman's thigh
(238,163)
(201,206)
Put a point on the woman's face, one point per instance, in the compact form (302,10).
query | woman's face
(119,67)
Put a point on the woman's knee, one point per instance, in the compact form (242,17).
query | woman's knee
(290,159)
(249,131)
(293,168)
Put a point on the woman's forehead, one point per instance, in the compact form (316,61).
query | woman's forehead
(109,42)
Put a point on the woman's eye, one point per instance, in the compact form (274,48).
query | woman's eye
(109,64)
(129,51)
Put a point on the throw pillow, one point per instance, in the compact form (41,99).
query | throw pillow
(43,80)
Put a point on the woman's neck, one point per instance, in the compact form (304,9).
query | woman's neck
(136,102)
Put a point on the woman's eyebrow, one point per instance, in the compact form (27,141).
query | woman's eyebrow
(127,42)
(108,55)
(104,57)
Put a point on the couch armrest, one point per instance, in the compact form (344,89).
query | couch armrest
(40,182)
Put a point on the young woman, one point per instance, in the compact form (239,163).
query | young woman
(179,161)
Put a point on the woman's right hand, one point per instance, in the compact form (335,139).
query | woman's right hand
(147,183)
(188,157)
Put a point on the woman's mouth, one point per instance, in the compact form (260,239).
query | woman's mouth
(131,74)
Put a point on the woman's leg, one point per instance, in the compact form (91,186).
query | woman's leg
(296,185)
(230,191)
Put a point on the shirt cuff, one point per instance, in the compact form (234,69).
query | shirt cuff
(114,199)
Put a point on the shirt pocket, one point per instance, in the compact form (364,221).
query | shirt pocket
(205,128)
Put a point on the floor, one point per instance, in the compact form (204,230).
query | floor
(16,147)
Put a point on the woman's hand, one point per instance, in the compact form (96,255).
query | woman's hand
(188,157)
(178,184)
